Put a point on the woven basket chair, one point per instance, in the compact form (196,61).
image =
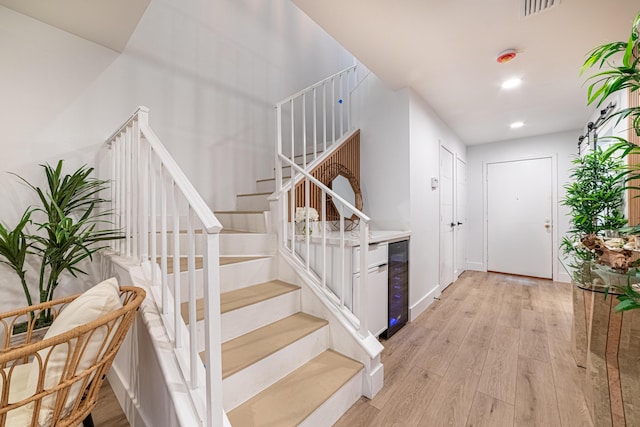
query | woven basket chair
(67,397)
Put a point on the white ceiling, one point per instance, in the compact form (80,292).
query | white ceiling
(446,52)
(109,23)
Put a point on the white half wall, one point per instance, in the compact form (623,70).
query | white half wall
(563,145)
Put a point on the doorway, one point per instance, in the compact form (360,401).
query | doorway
(519,212)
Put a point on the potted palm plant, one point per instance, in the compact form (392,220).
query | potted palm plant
(618,65)
(69,227)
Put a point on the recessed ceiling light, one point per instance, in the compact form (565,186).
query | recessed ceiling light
(516,125)
(511,83)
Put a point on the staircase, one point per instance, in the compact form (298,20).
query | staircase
(253,331)
(278,367)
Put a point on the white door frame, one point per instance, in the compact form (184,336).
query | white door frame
(463,267)
(442,286)
(554,210)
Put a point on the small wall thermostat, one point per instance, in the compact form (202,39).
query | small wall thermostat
(434,183)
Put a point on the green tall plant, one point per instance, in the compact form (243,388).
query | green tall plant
(595,197)
(70,227)
(614,77)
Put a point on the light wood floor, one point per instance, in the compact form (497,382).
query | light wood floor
(107,412)
(494,351)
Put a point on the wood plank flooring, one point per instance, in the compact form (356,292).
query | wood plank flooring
(493,351)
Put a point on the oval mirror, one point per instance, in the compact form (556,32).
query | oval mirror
(346,185)
(342,187)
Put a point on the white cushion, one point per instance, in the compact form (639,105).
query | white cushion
(18,390)
(101,299)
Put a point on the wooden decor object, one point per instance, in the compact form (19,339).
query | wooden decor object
(347,155)
(14,357)
(633,196)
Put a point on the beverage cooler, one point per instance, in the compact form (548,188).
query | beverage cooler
(398,287)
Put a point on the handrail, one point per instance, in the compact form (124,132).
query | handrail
(202,210)
(316,85)
(154,204)
(335,196)
(292,117)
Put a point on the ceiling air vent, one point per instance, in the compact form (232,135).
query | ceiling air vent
(532,7)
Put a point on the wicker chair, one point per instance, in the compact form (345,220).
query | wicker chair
(54,381)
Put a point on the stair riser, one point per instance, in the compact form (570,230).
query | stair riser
(232,276)
(248,382)
(336,406)
(184,244)
(256,202)
(246,319)
(249,244)
(253,222)
(266,186)
(243,274)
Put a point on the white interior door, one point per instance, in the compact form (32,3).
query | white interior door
(519,217)
(447,224)
(461,219)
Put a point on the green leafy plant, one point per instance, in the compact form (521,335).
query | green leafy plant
(70,228)
(595,195)
(615,77)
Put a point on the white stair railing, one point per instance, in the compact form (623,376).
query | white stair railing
(308,123)
(315,118)
(154,204)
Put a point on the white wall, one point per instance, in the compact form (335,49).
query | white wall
(427,133)
(563,145)
(210,71)
(383,118)
(399,153)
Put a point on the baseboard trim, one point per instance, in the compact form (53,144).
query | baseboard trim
(125,397)
(564,277)
(475,266)
(416,309)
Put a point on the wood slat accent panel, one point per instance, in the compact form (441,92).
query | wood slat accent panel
(633,159)
(347,155)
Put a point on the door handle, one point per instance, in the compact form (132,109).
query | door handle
(459,223)
(547,225)
(453,224)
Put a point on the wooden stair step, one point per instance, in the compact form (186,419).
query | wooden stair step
(272,179)
(243,297)
(253,194)
(254,294)
(254,346)
(224,260)
(292,399)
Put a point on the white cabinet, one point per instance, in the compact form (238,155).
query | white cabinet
(377,284)
(377,297)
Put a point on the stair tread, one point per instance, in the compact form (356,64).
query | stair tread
(243,297)
(271,179)
(224,260)
(254,346)
(253,194)
(292,399)
(238,212)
